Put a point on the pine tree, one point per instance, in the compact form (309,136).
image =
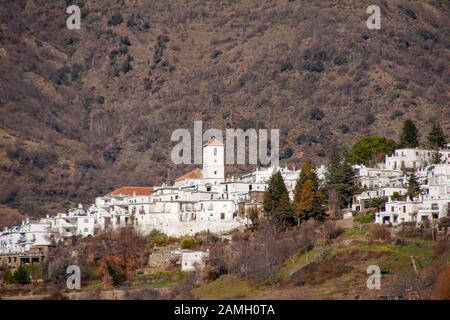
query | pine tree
(409,137)
(276,203)
(340,177)
(318,209)
(436,140)
(413,186)
(436,137)
(436,157)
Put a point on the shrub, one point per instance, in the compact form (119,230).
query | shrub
(115,20)
(117,276)
(187,244)
(316,114)
(126,66)
(370,119)
(148,84)
(286,66)
(287,153)
(397,114)
(381,232)
(364,218)
(158,239)
(22,276)
(339,61)
(101,99)
(8,276)
(216,53)
(344,129)
(125,41)
(410,13)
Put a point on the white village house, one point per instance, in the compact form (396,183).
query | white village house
(390,180)
(203,200)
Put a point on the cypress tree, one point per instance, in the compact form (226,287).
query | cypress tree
(436,140)
(340,177)
(436,137)
(276,203)
(318,209)
(409,137)
(413,186)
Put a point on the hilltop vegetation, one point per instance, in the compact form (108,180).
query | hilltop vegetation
(86,111)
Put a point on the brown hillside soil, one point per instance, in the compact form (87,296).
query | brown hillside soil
(86,111)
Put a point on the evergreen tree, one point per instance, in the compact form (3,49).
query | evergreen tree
(277,205)
(436,137)
(371,149)
(413,186)
(436,157)
(318,209)
(409,137)
(22,276)
(436,140)
(340,177)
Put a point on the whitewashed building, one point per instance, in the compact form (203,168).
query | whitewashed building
(193,260)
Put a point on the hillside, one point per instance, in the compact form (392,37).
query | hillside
(89,110)
(342,273)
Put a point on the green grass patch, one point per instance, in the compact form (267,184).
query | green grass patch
(225,288)
(160,275)
(348,233)
(94,285)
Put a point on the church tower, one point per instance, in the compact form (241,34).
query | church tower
(214,161)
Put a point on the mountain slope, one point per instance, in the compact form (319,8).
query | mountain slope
(84,111)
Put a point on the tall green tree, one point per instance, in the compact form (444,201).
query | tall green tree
(277,205)
(436,138)
(409,138)
(369,150)
(413,189)
(308,200)
(340,177)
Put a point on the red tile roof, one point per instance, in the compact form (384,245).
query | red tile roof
(131,191)
(194,174)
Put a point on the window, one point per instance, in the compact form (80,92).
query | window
(86,229)
(215,151)
(86,220)
(215,172)
(222,215)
